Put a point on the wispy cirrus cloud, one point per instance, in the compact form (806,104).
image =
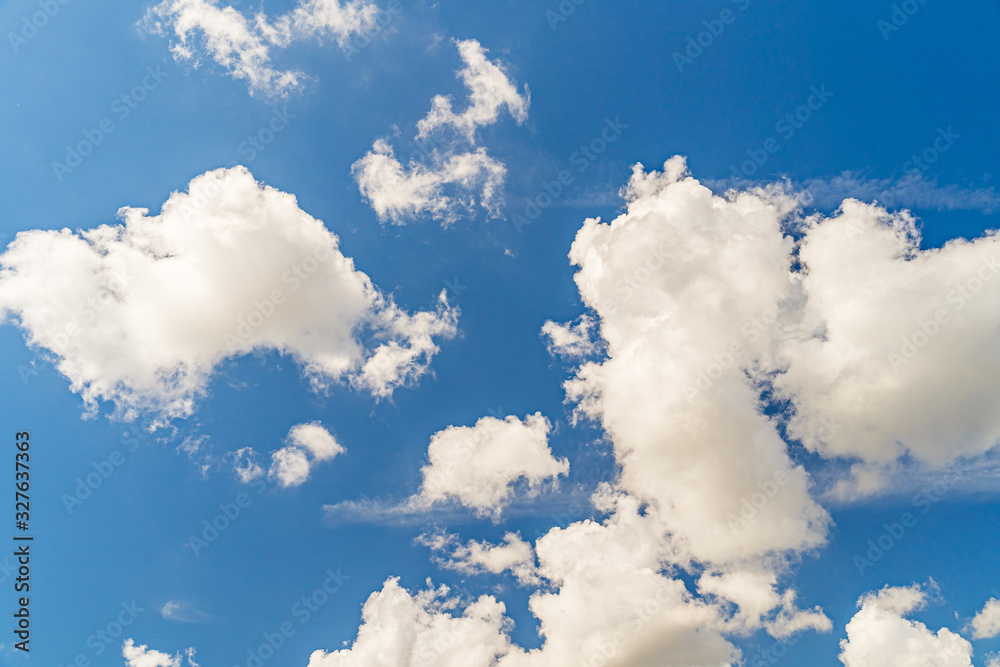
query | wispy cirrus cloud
(455,176)
(242,46)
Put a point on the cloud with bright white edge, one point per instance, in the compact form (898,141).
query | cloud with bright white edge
(455,175)
(704,302)
(880,634)
(514,555)
(140,313)
(142,656)
(308,444)
(479,465)
(203,28)
(986,624)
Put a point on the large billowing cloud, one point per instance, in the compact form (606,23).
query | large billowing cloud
(880,634)
(140,313)
(454,175)
(717,321)
(882,349)
(243,47)
(681,283)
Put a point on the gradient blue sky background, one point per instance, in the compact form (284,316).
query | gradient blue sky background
(605,61)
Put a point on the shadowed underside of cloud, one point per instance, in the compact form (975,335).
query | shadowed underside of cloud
(708,310)
(141,313)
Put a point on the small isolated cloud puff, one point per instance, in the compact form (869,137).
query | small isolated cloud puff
(142,656)
(245,465)
(308,444)
(242,47)
(479,465)
(453,180)
(474,557)
(879,634)
(141,313)
(573,341)
(986,623)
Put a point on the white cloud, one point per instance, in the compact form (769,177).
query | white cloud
(479,465)
(142,312)
(474,557)
(398,193)
(986,623)
(453,180)
(679,281)
(245,465)
(308,444)
(243,47)
(490,90)
(403,629)
(758,604)
(574,341)
(902,359)
(704,304)
(142,656)
(182,612)
(879,634)
(290,466)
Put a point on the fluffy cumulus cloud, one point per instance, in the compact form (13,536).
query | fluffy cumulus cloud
(986,624)
(880,634)
(454,175)
(142,656)
(883,350)
(682,283)
(720,326)
(479,465)
(140,313)
(308,444)
(903,358)
(242,47)
(421,630)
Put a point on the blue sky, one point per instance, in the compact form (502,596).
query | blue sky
(463,279)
